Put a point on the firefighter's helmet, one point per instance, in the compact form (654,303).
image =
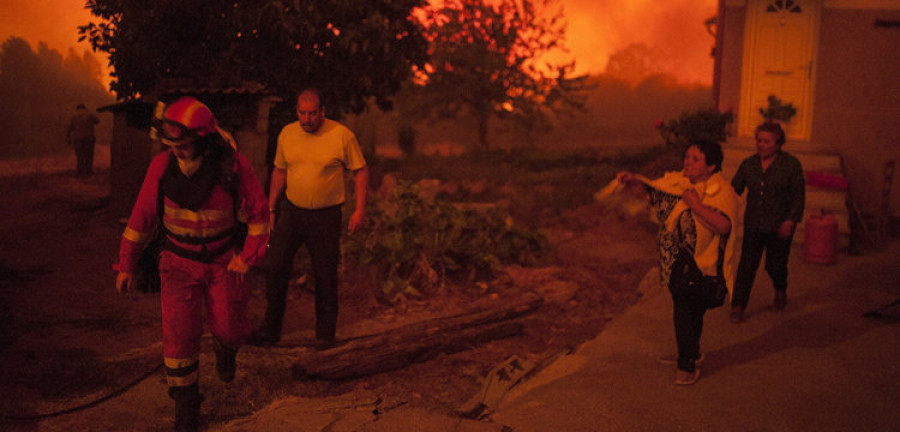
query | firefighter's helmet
(186,118)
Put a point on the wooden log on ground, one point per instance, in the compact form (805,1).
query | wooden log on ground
(414,343)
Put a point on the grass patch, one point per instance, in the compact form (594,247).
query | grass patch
(531,184)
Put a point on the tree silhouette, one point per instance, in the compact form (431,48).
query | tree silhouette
(353,50)
(633,64)
(17,64)
(485,61)
(39,90)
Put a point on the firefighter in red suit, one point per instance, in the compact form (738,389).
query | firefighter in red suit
(198,187)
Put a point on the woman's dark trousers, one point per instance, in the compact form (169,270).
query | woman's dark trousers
(777,252)
(688,318)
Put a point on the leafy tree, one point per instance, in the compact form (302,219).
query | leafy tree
(17,63)
(353,50)
(633,64)
(485,61)
(40,90)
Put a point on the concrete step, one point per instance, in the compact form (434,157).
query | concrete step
(817,162)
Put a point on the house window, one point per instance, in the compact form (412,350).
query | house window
(784,6)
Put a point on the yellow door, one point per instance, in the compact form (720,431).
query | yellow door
(779,56)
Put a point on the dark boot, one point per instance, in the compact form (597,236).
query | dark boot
(263,337)
(780,300)
(187,407)
(225,360)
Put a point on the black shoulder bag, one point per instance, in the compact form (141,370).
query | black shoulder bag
(687,282)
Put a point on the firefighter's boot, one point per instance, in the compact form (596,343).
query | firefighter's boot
(187,407)
(225,360)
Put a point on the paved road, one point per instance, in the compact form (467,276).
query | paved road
(819,365)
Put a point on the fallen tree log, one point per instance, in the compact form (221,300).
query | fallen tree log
(414,343)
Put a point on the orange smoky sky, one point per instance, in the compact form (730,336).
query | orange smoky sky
(672,29)
(52,21)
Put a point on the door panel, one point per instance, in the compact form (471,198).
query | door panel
(778,57)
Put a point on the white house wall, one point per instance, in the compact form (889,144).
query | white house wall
(855,109)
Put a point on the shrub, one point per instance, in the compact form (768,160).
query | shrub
(415,246)
(703,124)
(533,185)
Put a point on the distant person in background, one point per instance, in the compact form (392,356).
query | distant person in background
(81,136)
(775,189)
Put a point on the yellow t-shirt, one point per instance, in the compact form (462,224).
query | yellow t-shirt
(315,163)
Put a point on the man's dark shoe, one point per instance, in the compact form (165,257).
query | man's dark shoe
(324,344)
(737,314)
(262,338)
(780,300)
(226,361)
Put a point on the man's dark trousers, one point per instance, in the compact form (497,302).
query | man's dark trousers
(320,231)
(84,156)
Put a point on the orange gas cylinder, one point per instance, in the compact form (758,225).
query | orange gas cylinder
(820,243)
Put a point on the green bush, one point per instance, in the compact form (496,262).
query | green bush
(703,124)
(533,185)
(415,246)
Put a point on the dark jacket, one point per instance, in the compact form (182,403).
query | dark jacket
(774,195)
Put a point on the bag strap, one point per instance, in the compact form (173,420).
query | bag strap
(723,240)
(231,182)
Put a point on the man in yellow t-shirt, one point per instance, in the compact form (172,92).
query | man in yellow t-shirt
(312,156)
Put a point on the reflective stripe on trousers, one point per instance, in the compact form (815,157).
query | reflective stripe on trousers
(186,287)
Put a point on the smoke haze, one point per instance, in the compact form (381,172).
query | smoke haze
(52,21)
(672,29)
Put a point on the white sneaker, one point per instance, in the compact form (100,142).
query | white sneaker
(673,359)
(685,377)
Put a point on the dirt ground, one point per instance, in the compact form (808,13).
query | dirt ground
(69,342)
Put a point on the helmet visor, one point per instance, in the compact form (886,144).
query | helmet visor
(172,130)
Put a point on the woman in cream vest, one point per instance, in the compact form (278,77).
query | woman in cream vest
(696,208)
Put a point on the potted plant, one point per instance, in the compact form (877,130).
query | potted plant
(778,110)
